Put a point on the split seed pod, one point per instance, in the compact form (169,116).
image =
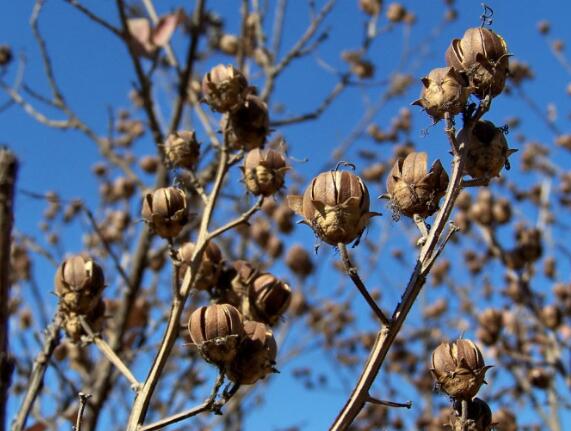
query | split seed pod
(483,55)
(216,330)
(182,149)
(487,150)
(414,190)
(459,368)
(264,171)
(79,283)
(269,298)
(224,88)
(209,269)
(335,205)
(257,355)
(247,127)
(95,318)
(444,90)
(165,211)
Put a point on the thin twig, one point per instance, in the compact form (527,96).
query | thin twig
(83,397)
(354,275)
(110,354)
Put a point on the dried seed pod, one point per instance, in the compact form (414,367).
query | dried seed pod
(482,210)
(256,356)
(360,67)
(182,149)
(79,282)
(299,261)
(529,245)
(229,44)
(283,217)
(335,205)
(478,418)
(491,325)
(95,318)
(540,378)
(459,368)
(396,12)
(209,269)
(551,316)
(504,420)
(502,211)
(412,189)
(264,171)
(5,55)
(487,150)
(165,211)
(371,7)
(224,88)
(269,298)
(217,331)
(247,127)
(483,55)
(445,90)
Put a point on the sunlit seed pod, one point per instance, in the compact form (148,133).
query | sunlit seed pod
(335,205)
(248,126)
(504,420)
(224,88)
(216,330)
(182,149)
(269,298)
(396,12)
(264,171)
(165,211)
(458,368)
(371,7)
(79,283)
(209,269)
(299,261)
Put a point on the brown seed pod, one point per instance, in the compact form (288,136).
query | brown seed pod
(182,149)
(396,12)
(371,7)
(504,420)
(487,150)
(79,282)
(95,318)
(335,205)
(283,217)
(165,211)
(540,378)
(478,417)
(256,356)
(224,88)
(483,56)
(298,261)
(459,368)
(444,90)
(264,171)
(269,298)
(5,55)
(216,330)
(247,127)
(551,316)
(229,44)
(491,325)
(209,269)
(414,190)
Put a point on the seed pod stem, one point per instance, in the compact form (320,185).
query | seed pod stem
(108,352)
(354,275)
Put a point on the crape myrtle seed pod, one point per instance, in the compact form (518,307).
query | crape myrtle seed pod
(298,261)
(79,282)
(445,90)
(487,150)
(209,269)
(264,171)
(229,44)
(335,205)
(413,189)
(247,127)
(458,368)
(256,355)
(5,55)
(216,330)
(396,12)
(182,149)
(539,378)
(165,211)
(371,7)
(551,316)
(483,56)
(94,318)
(269,297)
(224,88)
(479,416)
(504,420)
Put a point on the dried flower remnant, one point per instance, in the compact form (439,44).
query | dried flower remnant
(371,7)
(487,150)
(335,205)
(264,171)
(165,211)
(483,56)
(360,67)
(182,149)
(217,331)
(224,88)
(413,189)
(210,265)
(445,90)
(459,368)
(269,298)
(256,355)
(248,126)
(396,12)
